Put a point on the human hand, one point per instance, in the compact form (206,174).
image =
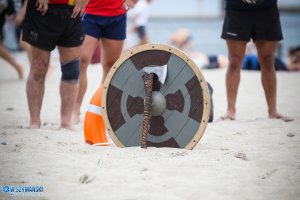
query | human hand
(78,8)
(42,6)
(129,4)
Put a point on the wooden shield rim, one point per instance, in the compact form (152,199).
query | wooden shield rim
(148,47)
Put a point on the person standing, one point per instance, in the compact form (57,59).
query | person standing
(7,8)
(257,20)
(49,24)
(140,20)
(24,45)
(104,21)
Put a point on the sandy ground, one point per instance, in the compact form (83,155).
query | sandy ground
(250,158)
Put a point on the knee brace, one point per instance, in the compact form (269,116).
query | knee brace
(70,71)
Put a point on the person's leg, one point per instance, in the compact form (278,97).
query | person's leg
(236,53)
(142,35)
(144,40)
(8,58)
(26,47)
(110,53)
(69,59)
(36,84)
(266,51)
(86,52)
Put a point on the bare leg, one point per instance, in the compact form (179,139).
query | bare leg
(144,40)
(36,84)
(68,90)
(266,50)
(68,93)
(4,53)
(86,52)
(26,46)
(236,51)
(110,53)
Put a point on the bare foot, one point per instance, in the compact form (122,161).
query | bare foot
(69,127)
(226,118)
(281,117)
(35,125)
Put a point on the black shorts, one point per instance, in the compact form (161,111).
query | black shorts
(258,25)
(56,27)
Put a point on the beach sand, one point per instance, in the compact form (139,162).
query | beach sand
(251,158)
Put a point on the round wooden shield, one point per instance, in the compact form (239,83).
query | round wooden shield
(181,124)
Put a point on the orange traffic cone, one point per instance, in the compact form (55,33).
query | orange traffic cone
(94,129)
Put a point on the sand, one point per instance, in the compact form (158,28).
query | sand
(251,158)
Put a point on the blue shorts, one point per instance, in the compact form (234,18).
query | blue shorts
(110,27)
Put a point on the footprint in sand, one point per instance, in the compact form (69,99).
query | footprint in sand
(17,148)
(184,153)
(241,155)
(9,109)
(290,135)
(86,179)
(267,174)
